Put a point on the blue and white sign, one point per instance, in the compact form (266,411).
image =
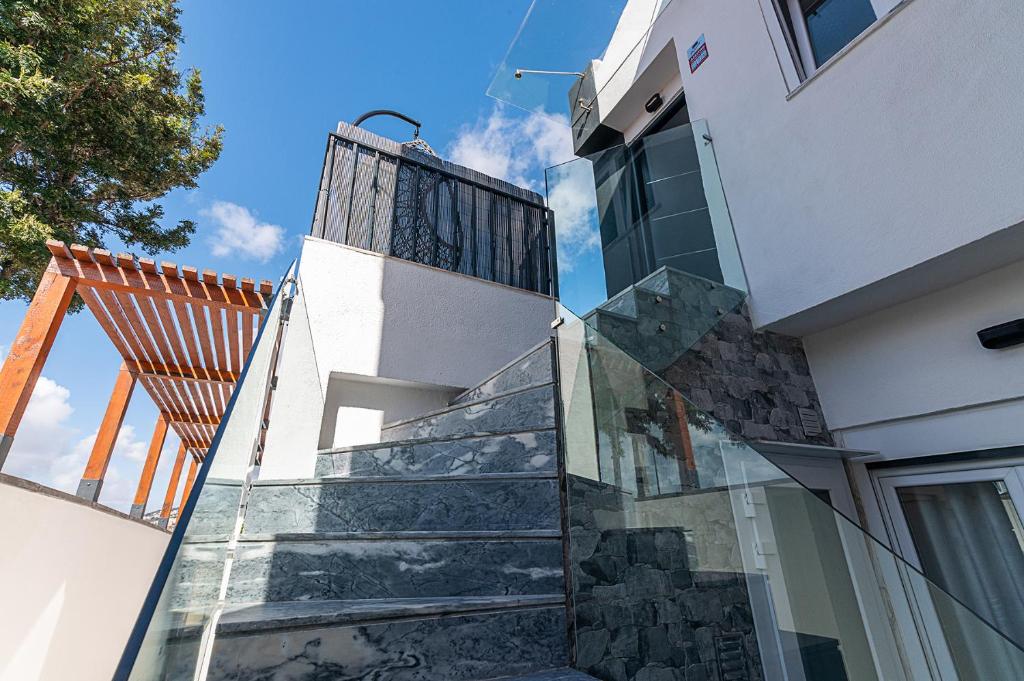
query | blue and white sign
(698,53)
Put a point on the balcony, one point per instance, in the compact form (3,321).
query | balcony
(396,199)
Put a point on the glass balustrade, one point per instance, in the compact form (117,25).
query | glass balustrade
(173,635)
(656,203)
(693,556)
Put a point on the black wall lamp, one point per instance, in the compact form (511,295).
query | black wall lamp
(1004,335)
(654,103)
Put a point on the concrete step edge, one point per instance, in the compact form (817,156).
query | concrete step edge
(245,619)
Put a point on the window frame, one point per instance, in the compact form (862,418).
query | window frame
(795,55)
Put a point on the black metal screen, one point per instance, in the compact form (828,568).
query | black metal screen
(380,196)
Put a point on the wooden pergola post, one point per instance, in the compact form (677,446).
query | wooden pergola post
(172,487)
(29,351)
(99,459)
(156,447)
(192,470)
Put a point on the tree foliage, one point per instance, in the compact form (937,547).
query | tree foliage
(96,124)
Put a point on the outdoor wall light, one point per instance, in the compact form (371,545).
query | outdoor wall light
(1004,335)
(654,103)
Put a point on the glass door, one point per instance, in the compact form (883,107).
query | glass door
(963,529)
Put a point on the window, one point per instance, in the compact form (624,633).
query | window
(818,29)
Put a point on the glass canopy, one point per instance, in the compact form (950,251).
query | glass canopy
(560,38)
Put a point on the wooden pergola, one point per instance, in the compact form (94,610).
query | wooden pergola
(183,334)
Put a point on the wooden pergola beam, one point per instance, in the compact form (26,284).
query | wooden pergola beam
(97,268)
(196,419)
(96,469)
(172,486)
(29,350)
(184,373)
(197,444)
(156,447)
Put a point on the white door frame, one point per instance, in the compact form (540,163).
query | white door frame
(887,481)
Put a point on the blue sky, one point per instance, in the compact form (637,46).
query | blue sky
(278,77)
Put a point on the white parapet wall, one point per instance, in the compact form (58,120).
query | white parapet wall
(72,580)
(377,339)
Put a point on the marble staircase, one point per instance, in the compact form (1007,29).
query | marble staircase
(436,555)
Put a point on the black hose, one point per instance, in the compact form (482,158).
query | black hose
(388,112)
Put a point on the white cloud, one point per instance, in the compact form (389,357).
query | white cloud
(49,451)
(574,202)
(43,435)
(240,232)
(519,149)
(513,148)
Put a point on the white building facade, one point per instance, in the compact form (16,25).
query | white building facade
(868,153)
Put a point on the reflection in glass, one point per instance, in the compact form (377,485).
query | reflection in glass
(656,203)
(832,24)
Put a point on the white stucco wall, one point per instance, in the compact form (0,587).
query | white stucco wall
(906,147)
(72,580)
(361,314)
(914,379)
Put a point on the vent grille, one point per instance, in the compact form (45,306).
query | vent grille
(810,422)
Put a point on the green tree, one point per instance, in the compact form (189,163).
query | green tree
(96,123)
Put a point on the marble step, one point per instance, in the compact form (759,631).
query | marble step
(623,303)
(431,504)
(532,369)
(528,409)
(560,674)
(527,452)
(421,639)
(395,567)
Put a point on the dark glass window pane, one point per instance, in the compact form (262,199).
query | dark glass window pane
(832,24)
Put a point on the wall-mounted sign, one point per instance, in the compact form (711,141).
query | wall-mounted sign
(698,53)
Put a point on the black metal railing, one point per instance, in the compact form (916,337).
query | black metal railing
(382,196)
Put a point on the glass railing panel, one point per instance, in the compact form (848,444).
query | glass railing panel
(177,622)
(656,203)
(693,556)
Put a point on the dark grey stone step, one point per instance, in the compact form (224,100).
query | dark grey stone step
(439,504)
(529,409)
(527,452)
(561,674)
(402,536)
(532,369)
(405,640)
(398,568)
(623,303)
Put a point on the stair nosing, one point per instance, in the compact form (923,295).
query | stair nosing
(426,440)
(616,315)
(454,401)
(410,479)
(410,535)
(455,407)
(390,610)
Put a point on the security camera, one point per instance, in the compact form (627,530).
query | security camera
(518,74)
